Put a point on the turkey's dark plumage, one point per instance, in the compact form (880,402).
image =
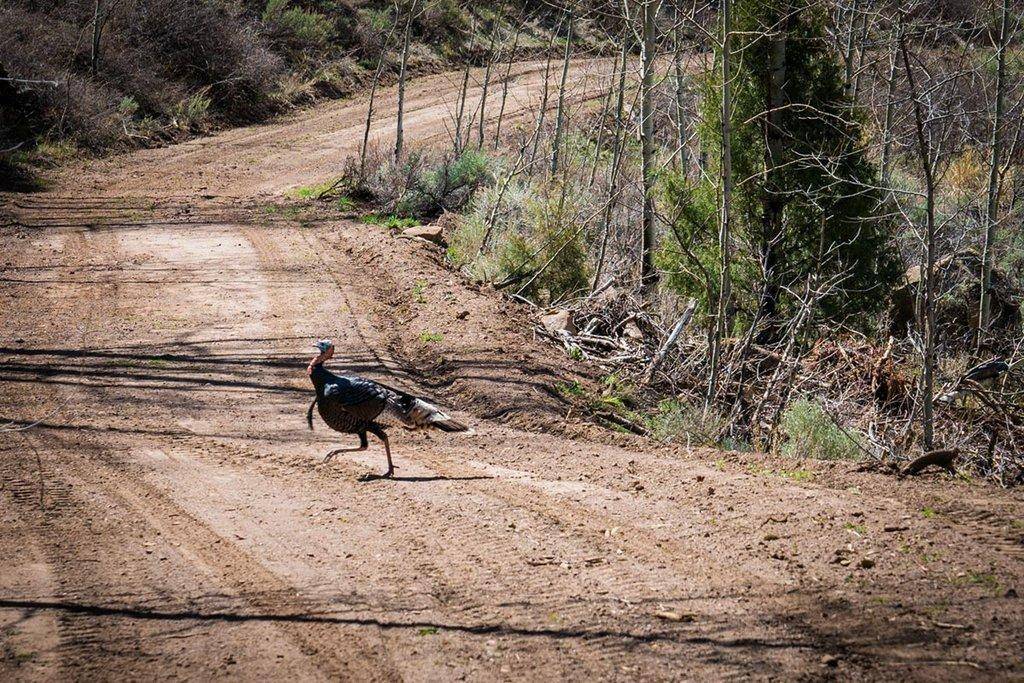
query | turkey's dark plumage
(355,405)
(351,404)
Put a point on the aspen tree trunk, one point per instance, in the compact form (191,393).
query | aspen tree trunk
(890,104)
(613,174)
(992,215)
(97,32)
(928,279)
(483,94)
(401,82)
(560,116)
(648,276)
(504,87)
(461,109)
(724,238)
(605,106)
(369,121)
(543,100)
(684,159)
(865,23)
(851,48)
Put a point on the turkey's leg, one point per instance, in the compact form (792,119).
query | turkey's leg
(309,413)
(379,433)
(363,445)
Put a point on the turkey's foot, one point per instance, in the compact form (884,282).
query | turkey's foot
(350,449)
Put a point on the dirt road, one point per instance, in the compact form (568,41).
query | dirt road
(164,512)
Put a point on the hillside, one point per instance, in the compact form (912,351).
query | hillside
(87,77)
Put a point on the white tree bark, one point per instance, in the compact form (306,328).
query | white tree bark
(560,115)
(992,214)
(401,82)
(648,275)
(724,237)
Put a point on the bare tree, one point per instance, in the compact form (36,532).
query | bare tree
(992,213)
(890,101)
(649,11)
(680,110)
(373,92)
(504,81)
(617,154)
(602,119)
(848,57)
(724,237)
(401,79)
(774,201)
(544,98)
(926,159)
(483,94)
(560,115)
(461,108)
(99,19)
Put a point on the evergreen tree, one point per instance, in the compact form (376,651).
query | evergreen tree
(804,198)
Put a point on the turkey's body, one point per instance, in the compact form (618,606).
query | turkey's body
(339,419)
(352,405)
(355,405)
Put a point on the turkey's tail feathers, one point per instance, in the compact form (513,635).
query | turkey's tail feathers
(424,414)
(450,425)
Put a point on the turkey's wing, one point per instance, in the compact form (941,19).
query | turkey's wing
(362,399)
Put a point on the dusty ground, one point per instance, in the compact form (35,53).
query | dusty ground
(166,515)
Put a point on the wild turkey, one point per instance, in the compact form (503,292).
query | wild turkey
(355,405)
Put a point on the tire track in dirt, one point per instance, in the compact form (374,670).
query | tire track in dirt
(591,538)
(107,612)
(431,569)
(85,638)
(462,527)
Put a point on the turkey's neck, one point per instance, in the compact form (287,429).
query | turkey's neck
(319,376)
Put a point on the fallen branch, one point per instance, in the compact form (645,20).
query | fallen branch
(628,425)
(941,458)
(659,357)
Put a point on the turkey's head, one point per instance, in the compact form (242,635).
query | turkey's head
(326,348)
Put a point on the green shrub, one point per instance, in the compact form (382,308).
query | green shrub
(192,113)
(677,421)
(418,186)
(296,29)
(446,186)
(537,237)
(466,239)
(811,433)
